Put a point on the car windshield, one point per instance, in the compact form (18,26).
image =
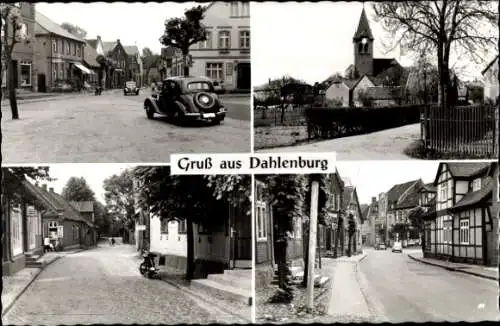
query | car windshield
(199,86)
(130,84)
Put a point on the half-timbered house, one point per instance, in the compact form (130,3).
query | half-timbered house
(464,224)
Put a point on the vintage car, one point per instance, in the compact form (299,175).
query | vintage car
(186,98)
(131,88)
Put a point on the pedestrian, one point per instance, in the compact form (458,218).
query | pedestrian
(153,86)
(112,241)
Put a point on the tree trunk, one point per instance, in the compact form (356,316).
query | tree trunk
(305,249)
(12,89)
(190,249)
(185,65)
(337,236)
(282,245)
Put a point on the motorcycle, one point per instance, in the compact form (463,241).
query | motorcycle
(147,267)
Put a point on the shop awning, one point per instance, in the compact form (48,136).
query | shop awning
(84,69)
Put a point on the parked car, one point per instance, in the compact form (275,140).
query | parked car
(131,88)
(397,247)
(186,98)
(63,86)
(380,246)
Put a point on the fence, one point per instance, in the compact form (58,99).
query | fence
(275,107)
(463,130)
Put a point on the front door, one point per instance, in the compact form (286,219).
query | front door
(42,86)
(243,79)
(241,238)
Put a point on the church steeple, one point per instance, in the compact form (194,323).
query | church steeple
(364,29)
(363,47)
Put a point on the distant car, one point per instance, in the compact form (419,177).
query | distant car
(63,86)
(131,88)
(186,98)
(380,246)
(397,247)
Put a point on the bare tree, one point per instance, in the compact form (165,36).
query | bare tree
(74,29)
(442,27)
(13,33)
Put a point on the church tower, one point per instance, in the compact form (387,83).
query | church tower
(363,47)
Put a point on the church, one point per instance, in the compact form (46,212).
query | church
(378,81)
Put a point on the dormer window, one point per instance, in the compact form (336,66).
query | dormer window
(476,184)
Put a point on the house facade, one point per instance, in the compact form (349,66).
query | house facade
(118,75)
(59,55)
(90,62)
(225,55)
(21,225)
(381,220)
(463,227)
(134,67)
(401,199)
(216,247)
(370,214)
(490,76)
(23,54)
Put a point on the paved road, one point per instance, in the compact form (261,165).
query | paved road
(103,286)
(382,145)
(113,128)
(404,290)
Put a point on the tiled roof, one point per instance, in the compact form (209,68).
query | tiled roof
(397,190)
(364,29)
(90,56)
(411,197)
(131,49)
(428,187)
(364,210)
(83,206)
(464,170)
(476,197)
(351,83)
(381,93)
(108,46)
(44,25)
(382,64)
(92,42)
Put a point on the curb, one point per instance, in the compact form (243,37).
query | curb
(199,297)
(454,269)
(7,309)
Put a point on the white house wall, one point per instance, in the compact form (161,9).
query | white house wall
(173,243)
(363,84)
(338,92)
(491,88)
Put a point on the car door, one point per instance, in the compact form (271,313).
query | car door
(165,97)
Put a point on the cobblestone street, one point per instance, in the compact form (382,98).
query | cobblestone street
(103,285)
(114,128)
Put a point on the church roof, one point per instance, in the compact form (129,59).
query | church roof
(364,29)
(381,64)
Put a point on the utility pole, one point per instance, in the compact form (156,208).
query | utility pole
(312,242)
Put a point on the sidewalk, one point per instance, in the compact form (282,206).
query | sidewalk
(476,270)
(14,286)
(346,298)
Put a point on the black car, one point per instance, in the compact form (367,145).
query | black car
(186,98)
(131,88)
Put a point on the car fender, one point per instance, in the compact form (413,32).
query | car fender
(181,106)
(188,103)
(151,101)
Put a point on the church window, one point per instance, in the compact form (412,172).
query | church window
(366,47)
(360,48)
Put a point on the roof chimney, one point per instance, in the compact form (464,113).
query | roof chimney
(98,37)
(51,189)
(118,41)
(44,186)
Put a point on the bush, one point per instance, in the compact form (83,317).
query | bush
(336,122)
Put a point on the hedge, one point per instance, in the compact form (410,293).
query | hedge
(341,121)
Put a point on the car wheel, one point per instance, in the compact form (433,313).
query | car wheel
(149,111)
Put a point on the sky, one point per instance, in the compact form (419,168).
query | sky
(93,173)
(133,23)
(374,177)
(313,41)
